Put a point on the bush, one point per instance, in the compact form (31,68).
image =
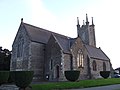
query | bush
(22,79)
(4,75)
(11,77)
(105,74)
(72,75)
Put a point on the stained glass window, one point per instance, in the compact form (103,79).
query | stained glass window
(80,59)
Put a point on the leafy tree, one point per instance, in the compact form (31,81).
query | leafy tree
(5,56)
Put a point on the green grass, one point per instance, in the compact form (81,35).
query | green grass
(80,84)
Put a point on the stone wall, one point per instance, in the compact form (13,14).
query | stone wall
(74,51)
(84,72)
(91,31)
(78,45)
(53,60)
(21,62)
(84,34)
(36,60)
(87,34)
(99,66)
(32,57)
(66,64)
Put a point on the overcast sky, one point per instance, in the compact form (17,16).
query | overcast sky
(60,16)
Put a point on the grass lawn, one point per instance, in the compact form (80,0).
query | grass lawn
(80,84)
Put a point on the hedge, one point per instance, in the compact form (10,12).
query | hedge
(105,74)
(4,75)
(11,77)
(22,79)
(72,75)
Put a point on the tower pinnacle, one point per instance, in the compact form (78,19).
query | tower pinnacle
(78,26)
(87,20)
(83,22)
(92,21)
(78,21)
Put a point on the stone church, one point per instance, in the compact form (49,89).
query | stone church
(49,54)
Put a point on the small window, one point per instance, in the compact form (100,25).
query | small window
(18,50)
(94,65)
(51,64)
(80,59)
(71,62)
(104,66)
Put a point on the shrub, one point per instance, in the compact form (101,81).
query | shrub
(11,77)
(72,75)
(105,74)
(4,75)
(22,79)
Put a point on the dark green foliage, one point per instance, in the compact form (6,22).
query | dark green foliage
(11,77)
(5,56)
(4,75)
(22,79)
(72,75)
(105,74)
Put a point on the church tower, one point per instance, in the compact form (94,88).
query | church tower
(87,32)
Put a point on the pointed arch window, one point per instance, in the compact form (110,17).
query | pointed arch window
(80,59)
(94,64)
(104,66)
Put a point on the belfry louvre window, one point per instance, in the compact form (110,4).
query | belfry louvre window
(80,58)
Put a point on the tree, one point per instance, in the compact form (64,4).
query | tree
(5,56)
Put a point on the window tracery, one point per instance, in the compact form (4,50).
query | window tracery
(80,59)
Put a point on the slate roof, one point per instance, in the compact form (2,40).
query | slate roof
(96,53)
(37,34)
(64,42)
(42,36)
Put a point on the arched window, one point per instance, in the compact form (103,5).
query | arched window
(80,59)
(94,65)
(104,66)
